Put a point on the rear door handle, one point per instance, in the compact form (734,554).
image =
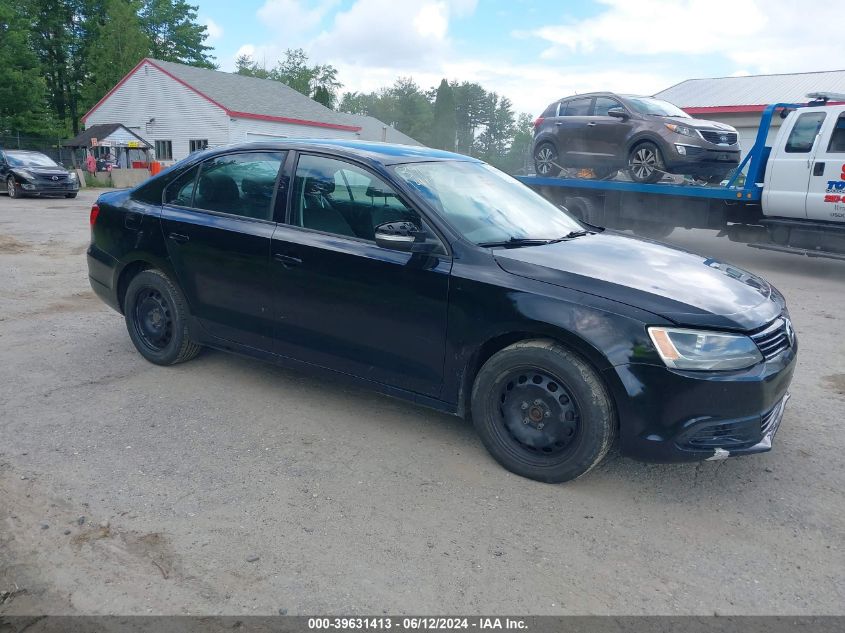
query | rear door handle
(592,124)
(818,169)
(179,238)
(288,261)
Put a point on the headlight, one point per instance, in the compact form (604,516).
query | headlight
(701,350)
(72,176)
(680,129)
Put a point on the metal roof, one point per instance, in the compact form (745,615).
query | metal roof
(754,91)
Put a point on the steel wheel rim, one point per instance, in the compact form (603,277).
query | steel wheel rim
(153,319)
(10,187)
(538,411)
(644,162)
(545,160)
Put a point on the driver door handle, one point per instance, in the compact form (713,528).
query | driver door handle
(179,238)
(592,124)
(288,261)
(818,169)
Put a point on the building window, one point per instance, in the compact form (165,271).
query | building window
(197,144)
(164,150)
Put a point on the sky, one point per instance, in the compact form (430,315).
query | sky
(533,52)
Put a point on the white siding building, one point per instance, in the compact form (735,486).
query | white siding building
(179,109)
(740,101)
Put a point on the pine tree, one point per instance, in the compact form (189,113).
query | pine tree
(445,122)
(174,33)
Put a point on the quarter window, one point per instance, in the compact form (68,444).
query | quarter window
(164,150)
(338,197)
(180,192)
(577,107)
(239,184)
(804,132)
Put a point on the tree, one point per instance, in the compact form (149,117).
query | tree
(519,153)
(357,103)
(470,113)
(22,86)
(295,71)
(174,33)
(445,121)
(117,45)
(499,129)
(245,65)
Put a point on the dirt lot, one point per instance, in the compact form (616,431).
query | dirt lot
(129,488)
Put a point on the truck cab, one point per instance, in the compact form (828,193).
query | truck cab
(805,173)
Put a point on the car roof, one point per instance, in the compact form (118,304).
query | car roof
(383,153)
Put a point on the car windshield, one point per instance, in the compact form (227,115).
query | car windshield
(656,107)
(25,159)
(485,205)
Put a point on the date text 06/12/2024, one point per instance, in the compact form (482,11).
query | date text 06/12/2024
(416,623)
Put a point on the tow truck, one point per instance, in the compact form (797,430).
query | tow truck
(787,197)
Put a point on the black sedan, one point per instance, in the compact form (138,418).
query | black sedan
(25,173)
(433,277)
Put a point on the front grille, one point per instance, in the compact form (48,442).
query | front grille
(714,136)
(49,179)
(772,339)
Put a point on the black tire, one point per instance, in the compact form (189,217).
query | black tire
(546,161)
(653,230)
(584,209)
(157,319)
(13,189)
(561,391)
(645,163)
(70,195)
(605,173)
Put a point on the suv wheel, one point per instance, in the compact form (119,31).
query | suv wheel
(645,164)
(546,160)
(157,319)
(542,412)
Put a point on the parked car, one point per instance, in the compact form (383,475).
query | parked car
(25,173)
(435,278)
(650,137)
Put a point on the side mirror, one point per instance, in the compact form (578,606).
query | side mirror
(618,113)
(399,236)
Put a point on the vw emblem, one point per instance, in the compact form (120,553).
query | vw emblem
(790,332)
(55,177)
(723,138)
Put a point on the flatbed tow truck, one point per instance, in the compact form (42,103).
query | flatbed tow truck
(789,197)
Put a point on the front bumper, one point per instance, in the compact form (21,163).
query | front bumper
(697,159)
(48,188)
(667,415)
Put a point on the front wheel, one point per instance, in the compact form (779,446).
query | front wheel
(542,412)
(645,163)
(70,195)
(546,160)
(157,319)
(13,188)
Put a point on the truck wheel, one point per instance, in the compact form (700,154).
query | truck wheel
(546,160)
(157,319)
(653,230)
(12,188)
(584,209)
(645,164)
(542,412)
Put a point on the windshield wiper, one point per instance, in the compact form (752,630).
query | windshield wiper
(516,242)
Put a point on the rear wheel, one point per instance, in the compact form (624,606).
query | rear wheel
(546,160)
(645,163)
(542,412)
(157,319)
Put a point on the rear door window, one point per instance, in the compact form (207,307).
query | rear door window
(577,107)
(804,132)
(239,184)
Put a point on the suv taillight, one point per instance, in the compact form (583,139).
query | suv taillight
(95,211)
(538,123)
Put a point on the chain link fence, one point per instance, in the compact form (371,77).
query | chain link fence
(52,147)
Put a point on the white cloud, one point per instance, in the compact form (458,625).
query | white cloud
(290,18)
(214,30)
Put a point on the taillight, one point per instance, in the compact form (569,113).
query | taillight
(538,123)
(95,211)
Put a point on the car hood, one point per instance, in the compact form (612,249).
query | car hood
(682,287)
(700,124)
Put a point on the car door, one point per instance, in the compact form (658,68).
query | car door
(826,194)
(346,303)
(606,136)
(218,222)
(789,168)
(571,133)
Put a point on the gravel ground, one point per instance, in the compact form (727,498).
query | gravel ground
(230,486)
